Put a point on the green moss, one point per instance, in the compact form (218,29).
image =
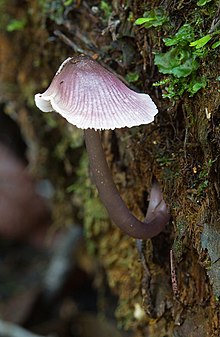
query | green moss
(91,211)
(15,24)
(202,182)
(11,22)
(132,77)
(125,315)
(179,245)
(106,8)
(186,50)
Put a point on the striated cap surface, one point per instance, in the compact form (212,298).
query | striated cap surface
(89,96)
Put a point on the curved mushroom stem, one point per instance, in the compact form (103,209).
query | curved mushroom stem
(157,214)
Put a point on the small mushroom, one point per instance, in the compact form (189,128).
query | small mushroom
(24,214)
(92,98)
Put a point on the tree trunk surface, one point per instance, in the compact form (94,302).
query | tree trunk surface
(174,289)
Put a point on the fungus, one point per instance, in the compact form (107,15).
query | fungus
(24,214)
(92,98)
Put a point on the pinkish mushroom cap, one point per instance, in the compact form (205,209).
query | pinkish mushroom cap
(89,96)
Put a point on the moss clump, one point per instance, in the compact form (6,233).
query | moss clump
(186,48)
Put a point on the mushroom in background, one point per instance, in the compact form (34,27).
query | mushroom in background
(92,98)
(24,213)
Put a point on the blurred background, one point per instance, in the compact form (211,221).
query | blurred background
(51,280)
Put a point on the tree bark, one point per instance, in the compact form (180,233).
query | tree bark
(181,148)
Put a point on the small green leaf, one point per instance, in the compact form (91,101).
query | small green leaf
(202,2)
(184,35)
(162,82)
(201,42)
(153,18)
(16,25)
(106,8)
(216,45)
(132,77)
(68,3)
(177,61)
(140,21)
(195,85)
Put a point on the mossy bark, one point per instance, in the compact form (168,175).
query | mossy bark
(181,149)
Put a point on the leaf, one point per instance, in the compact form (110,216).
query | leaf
(195,85)
(216,45)
(202,2)
(68,3)
(132,77)
(201,42)
(154,18)
(140,21)
(16,25)
(179,62)
(106,8)
(184,35)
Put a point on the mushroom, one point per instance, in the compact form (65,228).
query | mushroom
(92,98)
(24,214)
